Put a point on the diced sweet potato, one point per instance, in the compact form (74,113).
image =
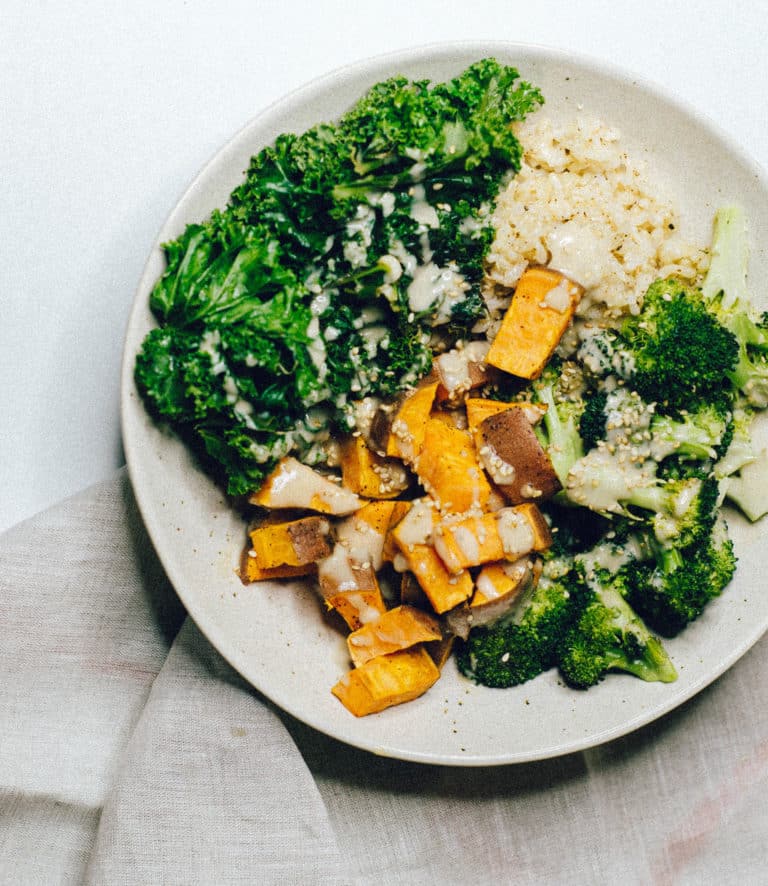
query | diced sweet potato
(468,542)
(406,433)
(506,534)
(358,607)
(514,459)
(480,408)
(371,475)
(252,571)
(440,650)
(364,533)
(386,681)
(449,469)
(542,537)
(500,588)
(497,581)
(541,309)
(296,485)
(443,589)
(461,370)
(294,543)
(395,629)
(411,592)
(399,511)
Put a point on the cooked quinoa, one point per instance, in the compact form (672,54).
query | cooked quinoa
(582,205)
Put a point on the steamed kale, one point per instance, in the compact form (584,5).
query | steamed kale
(279,311)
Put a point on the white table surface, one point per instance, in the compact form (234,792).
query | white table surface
(107,110)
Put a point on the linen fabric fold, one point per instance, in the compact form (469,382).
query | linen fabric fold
(130,752)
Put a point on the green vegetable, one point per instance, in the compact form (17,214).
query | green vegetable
(681,353)
(609,636)
(515,651)
(558,388)
(338,260)
(649,427)
(672,591)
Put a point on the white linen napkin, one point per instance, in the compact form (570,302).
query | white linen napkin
(130,753)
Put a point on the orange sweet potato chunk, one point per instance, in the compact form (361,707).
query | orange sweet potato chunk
(398,628)
(387,680)
(541,309)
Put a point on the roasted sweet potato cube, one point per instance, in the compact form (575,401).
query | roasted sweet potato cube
(364,533)
(395,629)
(541,309)
(443,589)
(461,370)
(406,432)
(294,543)
(510,452)
(468,542)
(542,537)
(399,511)
(359,607)
(295,485)
(371,475)
(440,650)
(506,534)
(411,592)
(449,470)
(351,588)
(252,571)
(500,581)
(386,681)
(480,408)
(413,536)
(500,588)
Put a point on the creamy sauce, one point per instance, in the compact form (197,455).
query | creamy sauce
(416,527)
(516,533)
(433,286)
(559,297)
(454,365)
(295,485)
(363,543)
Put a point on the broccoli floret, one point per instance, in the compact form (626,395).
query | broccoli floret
(682,354)
(559,389)
(609,636)
(701,435)
(603,353)
(678,507)
(620,416)
(515,651)
(750,376)
(592,422)
(673,591)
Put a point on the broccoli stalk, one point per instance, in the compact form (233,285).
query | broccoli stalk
(609,636)
(725,284)
(743,468)
(725,292)
(558,432)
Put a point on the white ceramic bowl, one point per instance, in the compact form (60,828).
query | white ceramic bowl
(275,635)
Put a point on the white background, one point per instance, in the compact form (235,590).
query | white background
(108,109)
